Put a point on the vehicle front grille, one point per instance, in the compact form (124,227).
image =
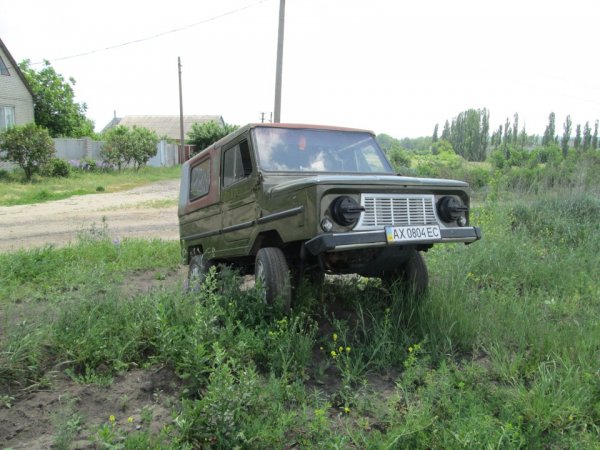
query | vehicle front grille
(396,210)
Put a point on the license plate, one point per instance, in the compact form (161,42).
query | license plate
(412,234)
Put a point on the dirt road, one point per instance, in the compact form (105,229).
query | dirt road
(147,211)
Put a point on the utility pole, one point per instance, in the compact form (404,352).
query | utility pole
(277,108)
(182,151)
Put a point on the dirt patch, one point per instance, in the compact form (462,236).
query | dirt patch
(145,212)
(144,281)
(138,400)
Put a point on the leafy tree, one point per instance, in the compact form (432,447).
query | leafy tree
(446,131)
(116,145)
(54,102)
(387,142)
(595,137)
(506,138)
(434,139)
(204,134)
(123,145)
(522,142)
(550,130)
(496,139)
(442,146)
(469,134)
(564,142)
(399,158)
(577,142)
(515,131)
(587,136)
(30,146)
(143,146)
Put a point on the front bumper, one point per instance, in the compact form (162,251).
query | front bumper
(359,239)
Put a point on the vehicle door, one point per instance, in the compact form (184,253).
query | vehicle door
(238,194)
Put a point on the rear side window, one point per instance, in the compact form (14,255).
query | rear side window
(200,180)
(236,163)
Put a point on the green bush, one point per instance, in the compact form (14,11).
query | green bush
(59,168)
(28,146)
(400,159)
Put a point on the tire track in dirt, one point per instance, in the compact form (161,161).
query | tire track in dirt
(148,211)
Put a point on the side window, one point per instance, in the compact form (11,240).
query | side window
(7,117)
(236,163)
(200,179)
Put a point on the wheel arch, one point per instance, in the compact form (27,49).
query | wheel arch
(269,238)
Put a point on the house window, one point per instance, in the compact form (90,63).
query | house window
(200,180)
(236,163)
(3,68)
(7,117)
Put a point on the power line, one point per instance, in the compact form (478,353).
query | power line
(154,36)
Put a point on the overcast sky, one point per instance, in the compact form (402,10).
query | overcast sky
(395,67)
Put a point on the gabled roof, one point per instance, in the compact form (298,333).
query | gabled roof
(163,125)
(15,67)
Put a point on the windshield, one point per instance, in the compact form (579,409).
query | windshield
(301,150)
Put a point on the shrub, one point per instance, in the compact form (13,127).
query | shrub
(59,168)
(400,159)
(124,146)
(29,146)
(204,134)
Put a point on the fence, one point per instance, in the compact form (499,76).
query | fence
(167,155)
(69,149)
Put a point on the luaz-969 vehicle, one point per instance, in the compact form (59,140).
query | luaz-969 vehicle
(288,201)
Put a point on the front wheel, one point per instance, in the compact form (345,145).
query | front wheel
(271,268)
(413,275)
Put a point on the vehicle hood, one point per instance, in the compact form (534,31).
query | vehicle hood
(293,184)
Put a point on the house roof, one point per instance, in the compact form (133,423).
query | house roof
(14,66)
(163,125)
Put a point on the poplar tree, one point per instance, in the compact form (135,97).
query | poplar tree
(550,130)
(564,142)
(515,132)
(587,136)
(577,142)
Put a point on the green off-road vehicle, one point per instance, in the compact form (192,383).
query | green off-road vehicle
(291,201)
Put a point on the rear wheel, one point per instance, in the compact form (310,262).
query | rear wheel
(198,269)
(271,268)
(413,275)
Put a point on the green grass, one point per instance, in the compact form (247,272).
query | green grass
(14,191)
(502,353)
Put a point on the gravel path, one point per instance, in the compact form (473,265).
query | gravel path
(140,212)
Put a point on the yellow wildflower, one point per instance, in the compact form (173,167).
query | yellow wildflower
(130,419)
(346,410)
(334,337)
(333,353)
(112,419)
(347,349)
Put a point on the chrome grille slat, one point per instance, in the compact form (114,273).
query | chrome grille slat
(396,210)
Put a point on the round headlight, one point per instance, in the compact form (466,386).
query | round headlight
(345,210)
(451,209)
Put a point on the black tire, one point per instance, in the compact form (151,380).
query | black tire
(272,269)
(413,275)
(199,267)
